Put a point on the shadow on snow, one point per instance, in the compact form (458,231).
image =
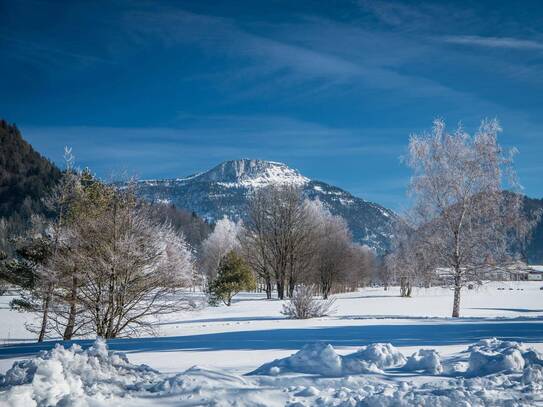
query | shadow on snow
(521,310)
(416,334)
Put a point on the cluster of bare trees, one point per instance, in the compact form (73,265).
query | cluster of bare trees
(289,241)
(462,221)
(103,266)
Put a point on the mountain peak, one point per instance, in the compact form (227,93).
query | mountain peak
(225,190)
(251,173)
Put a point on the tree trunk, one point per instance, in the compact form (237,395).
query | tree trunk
(70,325)
(268,288)
(45,314)
(456,301)
(291,285)
(326,286)
(280,289)
(325,290)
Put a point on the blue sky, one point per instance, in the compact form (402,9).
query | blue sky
(166,89)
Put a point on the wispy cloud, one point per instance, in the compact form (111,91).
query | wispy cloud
(494,42)
(47,55)
(200,142)
(220,35)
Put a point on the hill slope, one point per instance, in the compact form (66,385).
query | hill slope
(25,178)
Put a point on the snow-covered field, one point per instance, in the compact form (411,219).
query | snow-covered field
(227,343)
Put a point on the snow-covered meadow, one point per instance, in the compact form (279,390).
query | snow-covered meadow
(337,362)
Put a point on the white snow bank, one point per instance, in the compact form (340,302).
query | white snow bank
(493,355)
(483,358)
(322,359)
(67,376)
(427,360)
(96,377)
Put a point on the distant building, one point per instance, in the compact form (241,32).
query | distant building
(535,273)
(517,271)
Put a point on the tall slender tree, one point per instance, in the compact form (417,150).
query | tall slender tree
(463,219)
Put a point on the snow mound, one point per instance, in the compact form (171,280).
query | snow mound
(490,356)
(97,377)
(427,360)
(322,359)
(313,358)
(66,376)
(376,356)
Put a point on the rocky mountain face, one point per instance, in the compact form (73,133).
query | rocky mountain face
(225,189)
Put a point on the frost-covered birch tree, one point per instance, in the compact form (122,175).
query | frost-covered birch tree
(133,266)
(218,244)
(463,219)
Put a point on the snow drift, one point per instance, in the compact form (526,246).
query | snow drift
(97,377)
(322,359)
(426,360)
(497,373)
(493,355)
(485,357)
(67,376)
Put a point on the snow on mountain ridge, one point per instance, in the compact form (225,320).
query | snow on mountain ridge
(225,190)
(250,174)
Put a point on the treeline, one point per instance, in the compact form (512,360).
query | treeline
(107,264)
(289,241)
(103,264)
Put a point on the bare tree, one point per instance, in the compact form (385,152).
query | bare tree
(133,265)
(278,234)
(333,256)
(461,215)
(256,253)
(59,203)
(363,265)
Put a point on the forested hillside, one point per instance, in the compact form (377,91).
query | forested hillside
(25,178)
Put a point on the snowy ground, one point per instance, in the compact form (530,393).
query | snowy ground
(227,343)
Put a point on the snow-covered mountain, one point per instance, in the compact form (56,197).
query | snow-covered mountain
(224,190)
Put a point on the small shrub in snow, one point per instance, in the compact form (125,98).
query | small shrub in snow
(304,305)
(427,360)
